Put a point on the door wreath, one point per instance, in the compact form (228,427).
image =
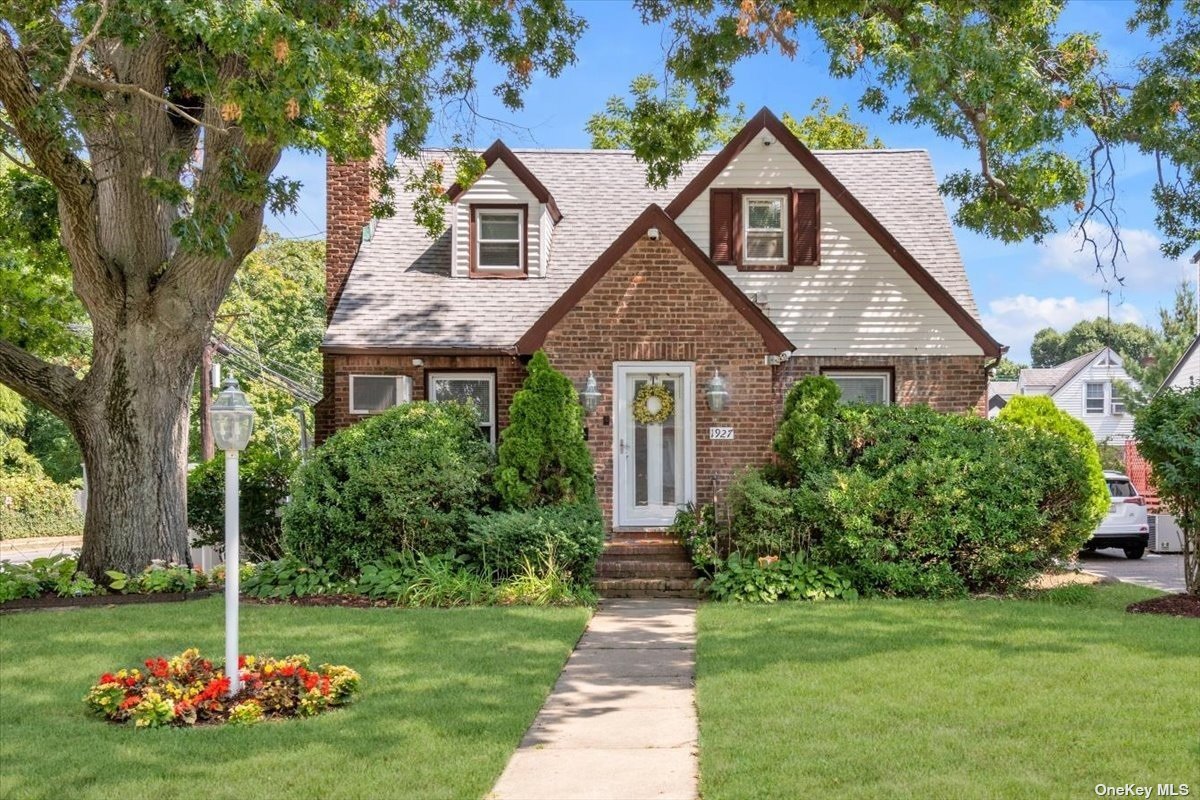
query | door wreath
(653,404)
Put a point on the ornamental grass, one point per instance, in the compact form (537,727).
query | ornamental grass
(189,690)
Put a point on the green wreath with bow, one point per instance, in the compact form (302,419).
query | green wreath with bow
(653,394)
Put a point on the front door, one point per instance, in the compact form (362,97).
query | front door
(654,455)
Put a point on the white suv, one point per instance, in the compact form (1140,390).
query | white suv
(1126,525)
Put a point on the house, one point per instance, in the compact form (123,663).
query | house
(998,395)
(1186,372)
(759,264)
(1086,388)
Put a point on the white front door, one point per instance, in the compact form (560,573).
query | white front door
(654,462)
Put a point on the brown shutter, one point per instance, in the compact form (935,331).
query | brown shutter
(806,227)
(722,225)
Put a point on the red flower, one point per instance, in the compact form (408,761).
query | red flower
(324,685)
(108,677)
(131,681)
(287,671)
(131,701)
(310,680)
(241,662)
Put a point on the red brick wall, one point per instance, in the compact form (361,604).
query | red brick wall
(334,410)
(945,383)
(654,305)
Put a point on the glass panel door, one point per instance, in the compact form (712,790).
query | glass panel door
(652,455)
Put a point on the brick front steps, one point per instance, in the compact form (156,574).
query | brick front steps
(644,564)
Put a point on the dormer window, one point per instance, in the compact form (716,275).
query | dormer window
(498,241)
(765,234)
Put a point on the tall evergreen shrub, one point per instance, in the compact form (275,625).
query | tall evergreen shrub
(801,441)
(543,458)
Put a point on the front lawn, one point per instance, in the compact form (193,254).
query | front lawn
(977,698)
(446,696)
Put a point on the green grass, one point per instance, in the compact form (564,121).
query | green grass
(978,698)
(447,695)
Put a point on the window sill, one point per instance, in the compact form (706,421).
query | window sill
(765,268)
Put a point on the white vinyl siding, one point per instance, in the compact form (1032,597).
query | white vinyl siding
(498,186)
(1072,398)
(475,388)
(371,394)
(858,301)
(863,387)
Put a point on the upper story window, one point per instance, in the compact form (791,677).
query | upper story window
(371,394)
(1117,403)
(765,229)
(765,234)
(1093,398)
(498,241)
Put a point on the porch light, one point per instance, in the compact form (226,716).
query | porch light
(590,396)
(717,392)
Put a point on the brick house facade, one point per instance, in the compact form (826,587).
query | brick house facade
(614,285)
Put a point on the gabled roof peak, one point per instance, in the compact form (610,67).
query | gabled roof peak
(498,151)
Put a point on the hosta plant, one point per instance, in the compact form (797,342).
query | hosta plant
(190,690)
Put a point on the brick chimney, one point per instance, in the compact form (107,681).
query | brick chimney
(349,193)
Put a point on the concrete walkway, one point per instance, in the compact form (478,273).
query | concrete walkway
(23,550)
(621,721)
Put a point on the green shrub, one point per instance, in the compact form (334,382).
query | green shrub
(504,541)
(158,578)
(770,578)
(57,574)
(290,577)
(407,479)
(544,584)
(801,441)
(263,484)
(446,580)
(33,505)
(936,505)
(701,536)
(543,458)
(1039,411)
(763,518)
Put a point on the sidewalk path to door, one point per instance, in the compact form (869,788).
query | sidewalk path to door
(23,550)
(621,721)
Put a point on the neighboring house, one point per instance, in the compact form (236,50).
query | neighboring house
(765,261)
(998,395)
(1186,371)
(1086,388)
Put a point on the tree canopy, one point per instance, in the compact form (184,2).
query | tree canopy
(1132,341)
(1177,329)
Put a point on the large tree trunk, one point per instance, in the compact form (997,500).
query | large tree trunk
(134,441)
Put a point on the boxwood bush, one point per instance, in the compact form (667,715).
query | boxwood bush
(409,479)
(503,541)
(264,481)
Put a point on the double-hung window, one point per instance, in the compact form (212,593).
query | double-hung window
(371,394)
(499,247)
(765,228)
(863,387)
(1116,402)
(1093,398)
(477,389)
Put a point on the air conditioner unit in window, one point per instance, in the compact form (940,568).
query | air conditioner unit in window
(1165,534)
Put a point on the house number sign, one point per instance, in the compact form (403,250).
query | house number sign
(720,433)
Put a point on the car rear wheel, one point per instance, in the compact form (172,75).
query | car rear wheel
(1134,553)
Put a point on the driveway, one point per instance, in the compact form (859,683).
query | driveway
(22,550)
(1158,571)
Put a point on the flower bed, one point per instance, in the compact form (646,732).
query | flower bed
(189,690)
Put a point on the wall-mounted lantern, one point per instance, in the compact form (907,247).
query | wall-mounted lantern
(717,392)
(590,396)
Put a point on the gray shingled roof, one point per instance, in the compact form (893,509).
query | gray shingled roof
(1058,376)
(400,293)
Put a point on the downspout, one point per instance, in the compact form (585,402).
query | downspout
(987,368)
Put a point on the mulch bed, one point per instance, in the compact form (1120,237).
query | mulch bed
(345,600)
(1175,605)
(53,601)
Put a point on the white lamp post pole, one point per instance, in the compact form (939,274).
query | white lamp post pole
(231,572)
(232,423)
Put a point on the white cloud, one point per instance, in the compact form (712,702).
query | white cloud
(1142,267)
(1014,320)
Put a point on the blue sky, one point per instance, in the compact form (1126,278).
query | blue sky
(1019,288)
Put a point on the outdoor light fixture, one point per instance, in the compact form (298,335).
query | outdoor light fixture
(717,392)
(590,396)
(232,422)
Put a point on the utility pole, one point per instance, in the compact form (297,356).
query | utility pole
(207,448)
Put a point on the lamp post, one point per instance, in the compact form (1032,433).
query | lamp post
(232,422)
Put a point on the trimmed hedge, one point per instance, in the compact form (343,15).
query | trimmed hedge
(264,482)
(33,505)
(409,479)
(502,541)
